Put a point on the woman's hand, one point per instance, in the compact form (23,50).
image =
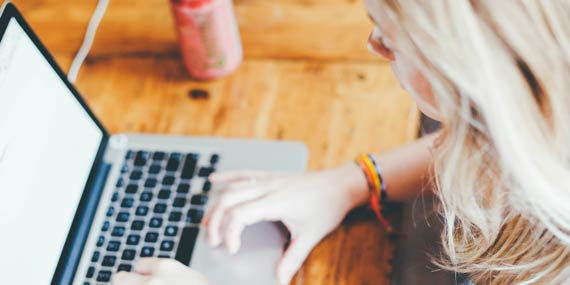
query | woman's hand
(309,205)
(159,271)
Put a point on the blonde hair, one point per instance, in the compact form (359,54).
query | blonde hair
(500,73)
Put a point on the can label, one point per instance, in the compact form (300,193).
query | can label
(209,38)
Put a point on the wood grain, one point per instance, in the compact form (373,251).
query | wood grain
(303,29)
(306,76)
(329,106)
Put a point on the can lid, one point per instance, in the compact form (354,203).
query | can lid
(192,3)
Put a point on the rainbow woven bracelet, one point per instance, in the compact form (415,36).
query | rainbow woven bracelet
(376,186)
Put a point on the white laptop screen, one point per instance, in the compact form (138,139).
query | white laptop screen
(48,144)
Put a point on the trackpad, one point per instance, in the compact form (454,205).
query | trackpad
(255,263)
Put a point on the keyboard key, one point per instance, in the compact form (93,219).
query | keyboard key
(122,217)
(147,251)
(186,245)
(179,202)
(136,175)
(207,186)
(141,211)
(110,211)
(168,180)
(127,203)
(171,231)
(90,272)
(164,256)
(130,154)
(104,276)
(146,196)
(141,158)
(125,168)
(132,188)
(133,239)
(95,256)
(113,246)
(160,208)
(195,215)
(151,237)
(100,241)
(154,169)
(175,216)
(120,182)
(105,226)
(199,200)
(118,231)
(167,245)
(124,267)
(189,167)
(214,158)
(115,197)
(183,188)
(137,225)
(155,222)
(205,171)
(150,183)
(109,261)
(159,155)
(164,194)
(173,163)
(128,254)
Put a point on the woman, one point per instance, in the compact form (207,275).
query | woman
(497,75)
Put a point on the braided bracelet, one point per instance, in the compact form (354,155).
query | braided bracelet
(376,186)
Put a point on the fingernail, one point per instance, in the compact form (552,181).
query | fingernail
(284,278)
(234,248)
(370,48)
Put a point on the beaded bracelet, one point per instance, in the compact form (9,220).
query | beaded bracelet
(376,186)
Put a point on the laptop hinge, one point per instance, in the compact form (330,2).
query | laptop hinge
(86,212)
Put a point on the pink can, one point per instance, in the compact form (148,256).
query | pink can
(209,37)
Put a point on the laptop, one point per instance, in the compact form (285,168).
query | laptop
(78,204)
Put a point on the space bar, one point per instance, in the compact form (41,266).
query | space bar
(186,244)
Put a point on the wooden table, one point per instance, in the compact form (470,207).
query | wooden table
(306,76)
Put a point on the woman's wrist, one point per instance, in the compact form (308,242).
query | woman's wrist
(354,182)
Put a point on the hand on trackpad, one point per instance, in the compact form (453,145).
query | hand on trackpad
(309,205)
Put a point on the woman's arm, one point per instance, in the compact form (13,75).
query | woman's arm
(310,205)
(406,171)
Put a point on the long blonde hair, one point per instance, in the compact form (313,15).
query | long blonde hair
(500,72)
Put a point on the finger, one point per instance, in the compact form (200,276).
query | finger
(224,177)
(127,278)
(227,200)
(294,257)
(243,215)
(157,266)
(235,194)
(147,265)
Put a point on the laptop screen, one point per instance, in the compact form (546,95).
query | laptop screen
(48,144)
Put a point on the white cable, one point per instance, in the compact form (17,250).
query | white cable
(87,40)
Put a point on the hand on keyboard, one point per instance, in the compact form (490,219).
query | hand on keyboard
(310,205)
(160,271)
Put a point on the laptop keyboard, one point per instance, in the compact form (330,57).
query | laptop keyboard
(158,201)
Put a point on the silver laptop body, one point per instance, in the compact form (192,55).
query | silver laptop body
(262,243)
